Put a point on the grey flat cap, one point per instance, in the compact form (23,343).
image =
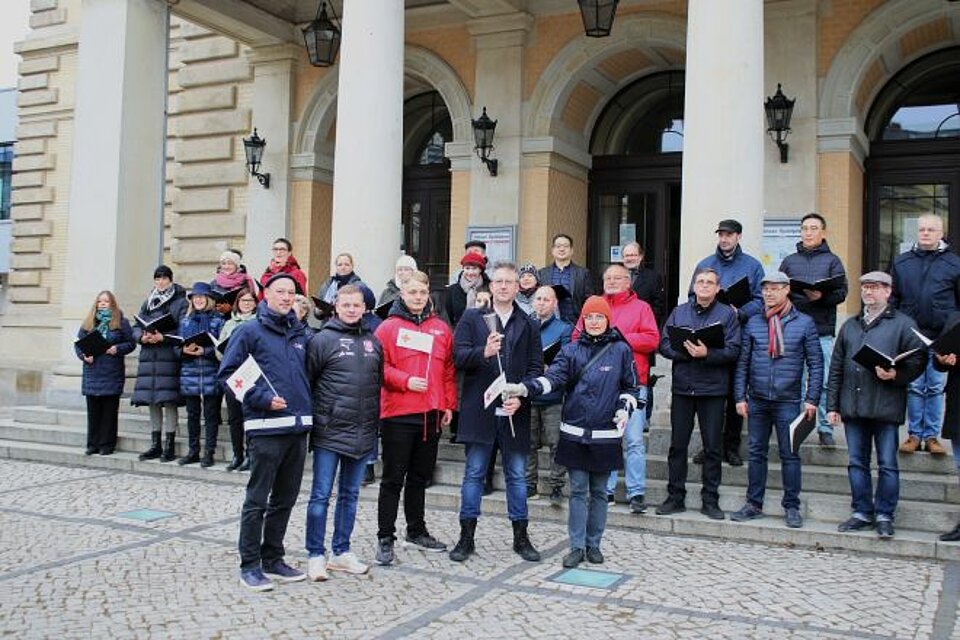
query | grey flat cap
(776,277)
(880,277)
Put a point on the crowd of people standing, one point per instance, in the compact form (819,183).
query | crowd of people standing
(518,358)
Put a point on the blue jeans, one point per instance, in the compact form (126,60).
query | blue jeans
(925,403)
(860,435)
(634,454)
(826,345)
(325,463)
(764,417)
(514,470)
(588,508)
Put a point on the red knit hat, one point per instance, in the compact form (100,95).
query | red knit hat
(474,260)
(596,304)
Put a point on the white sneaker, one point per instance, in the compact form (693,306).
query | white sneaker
(317,568)
(348,563)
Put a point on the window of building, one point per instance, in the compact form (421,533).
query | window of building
(645,118)
(6,173)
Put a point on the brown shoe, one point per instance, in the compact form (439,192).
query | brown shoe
(933,446)
(910,445)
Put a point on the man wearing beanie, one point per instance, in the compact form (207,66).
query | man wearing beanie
(405,266)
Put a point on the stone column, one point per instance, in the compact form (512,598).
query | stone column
(117,178)
(368,170)
(724,127)
(268,215)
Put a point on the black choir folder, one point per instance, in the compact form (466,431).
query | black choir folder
(946,344)
(800,428)
(737,294)
(870,357)
(203,339)
(92,344)
(823,285)
(712,336)
(550,352)
(161,324)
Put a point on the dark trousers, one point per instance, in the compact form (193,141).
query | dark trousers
(102,422)
(408,464)
(708,411)
(276,470)
(733,422)
(235,420)
(211,421)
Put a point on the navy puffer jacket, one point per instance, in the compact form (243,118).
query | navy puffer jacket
(811,265)
(158,373)
(198,374)
(779,379)
(926,286)
(105,376)
(708,376)
(345,368)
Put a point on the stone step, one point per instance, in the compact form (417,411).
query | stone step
(818,533)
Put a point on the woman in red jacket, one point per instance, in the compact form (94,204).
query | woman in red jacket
(418,398)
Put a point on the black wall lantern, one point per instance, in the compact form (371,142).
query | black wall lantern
(597,16)
(253,147)
(779,110)
(322,37)
(483,128)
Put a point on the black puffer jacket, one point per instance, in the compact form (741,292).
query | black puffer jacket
(158,373)
(926,286)
(858,393)
(811,265)
(345,369)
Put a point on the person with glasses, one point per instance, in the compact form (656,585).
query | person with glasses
(576,280)
(701,378)
(814,262)
(282,261)
(506,341)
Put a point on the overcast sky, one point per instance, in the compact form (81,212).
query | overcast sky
(14,16)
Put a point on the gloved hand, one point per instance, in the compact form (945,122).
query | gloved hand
(620,419)
(514,390)
(630,402)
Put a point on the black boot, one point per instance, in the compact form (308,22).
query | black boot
(168,448)
(245,465)
(207,460)
(952,535)
(155,451)
(465,544)
(521,543)
(193,446)
(236,462)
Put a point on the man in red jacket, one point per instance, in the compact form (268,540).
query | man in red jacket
(417,400)
(635,320)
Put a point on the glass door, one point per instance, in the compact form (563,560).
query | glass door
(899,206)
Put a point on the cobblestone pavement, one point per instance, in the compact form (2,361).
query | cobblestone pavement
(71,567)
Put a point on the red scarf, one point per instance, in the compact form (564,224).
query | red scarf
(775,328)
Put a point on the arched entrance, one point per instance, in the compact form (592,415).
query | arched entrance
(426,185)
(914,162)
(634,194)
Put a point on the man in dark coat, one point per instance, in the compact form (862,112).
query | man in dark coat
(701,381)
(951,419)
(574,278)
(278,415)
(480,352)
(776,347)
(871,402)
(813,262)
(926,287)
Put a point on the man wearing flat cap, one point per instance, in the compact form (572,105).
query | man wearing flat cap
(871,402)
(732,264)
(775,348)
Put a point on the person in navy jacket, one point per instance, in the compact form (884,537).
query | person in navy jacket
(602,384)
(478,352)
(278,415)
(732,264)
(103,375)
(769,386)
(701,382)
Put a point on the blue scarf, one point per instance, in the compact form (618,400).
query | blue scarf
(103,318)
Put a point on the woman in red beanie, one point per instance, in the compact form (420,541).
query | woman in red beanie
(469,291)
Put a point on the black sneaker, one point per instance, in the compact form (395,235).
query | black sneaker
(884,529)
(594,556)
(669,507)
(747,512)
(698,457)
(733,459)
(637,505)
(950,536)
(556,497)
(384,551)
(854,524)
(572,559)
(713,511)
(426,542)
(611,499)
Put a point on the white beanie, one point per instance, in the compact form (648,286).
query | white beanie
(231,256)
(406,261)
